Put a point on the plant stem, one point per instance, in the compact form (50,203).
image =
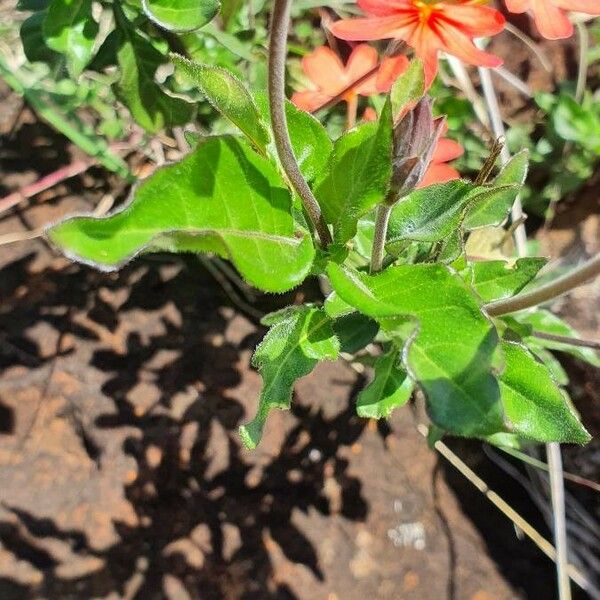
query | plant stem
(351,110)
(381,227)
(557,493)
(554,289)
(563,339)
(277,54)
(582,68)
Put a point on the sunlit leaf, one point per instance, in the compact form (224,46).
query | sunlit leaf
(181,15)
(298,339)
(228,95)
(495,279)
(357,176)
(70,29)
(222,198)
(492,211)
(450,342)
(536,406)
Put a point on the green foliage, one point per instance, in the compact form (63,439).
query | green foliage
(181,15)
(357,176)
(495,280)
(297,340)
(391,388)
(138,60)
(537,408)
(70,29)
(229,96)
(222,198)
(424,306)
(408,88)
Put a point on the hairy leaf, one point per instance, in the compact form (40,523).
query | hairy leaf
(70,29)
(435,213)
(298,339)
(493,211)
(181,15)
(535,405)
(357,176)
(450,342)
(546,322)
(354,331)
(138,60)
(310,142)
(390,388)
(409,88)
(228,95)
(222,198)
(495,279)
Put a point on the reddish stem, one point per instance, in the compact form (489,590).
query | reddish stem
(45,183)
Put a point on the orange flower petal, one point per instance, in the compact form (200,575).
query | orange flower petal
(383,8)
(447,150)
(475,21)
(362,60)
(324,67)
(310,100)
(377,28)
(551,21)
(457,43)
(590,7)
(518,6)
(391,68)
(438,173)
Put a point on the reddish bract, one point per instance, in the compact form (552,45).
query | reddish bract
(429,27)
(330,77)
(550,16)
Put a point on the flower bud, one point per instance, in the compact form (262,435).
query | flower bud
(415,139)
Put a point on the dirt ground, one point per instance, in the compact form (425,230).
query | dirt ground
(121,473)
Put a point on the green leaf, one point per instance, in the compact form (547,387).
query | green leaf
(552,364)
(138,60)
(492,211)
(450,343)
(546,322)
(496,279)
(228,95)
(181,15)
(354,331)
(310,142)
(222,198)
(535,405)
(298,339)
(409,88)
(357,176)
(70,29)
(435,213)
(32,38)
(390,388)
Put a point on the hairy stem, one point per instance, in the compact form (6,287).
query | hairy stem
(564,339)
(554,289)
(381,227)
(277,54)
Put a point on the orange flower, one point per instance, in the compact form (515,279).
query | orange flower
(549,16)
(429,27)
(330,76)
(438,171)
